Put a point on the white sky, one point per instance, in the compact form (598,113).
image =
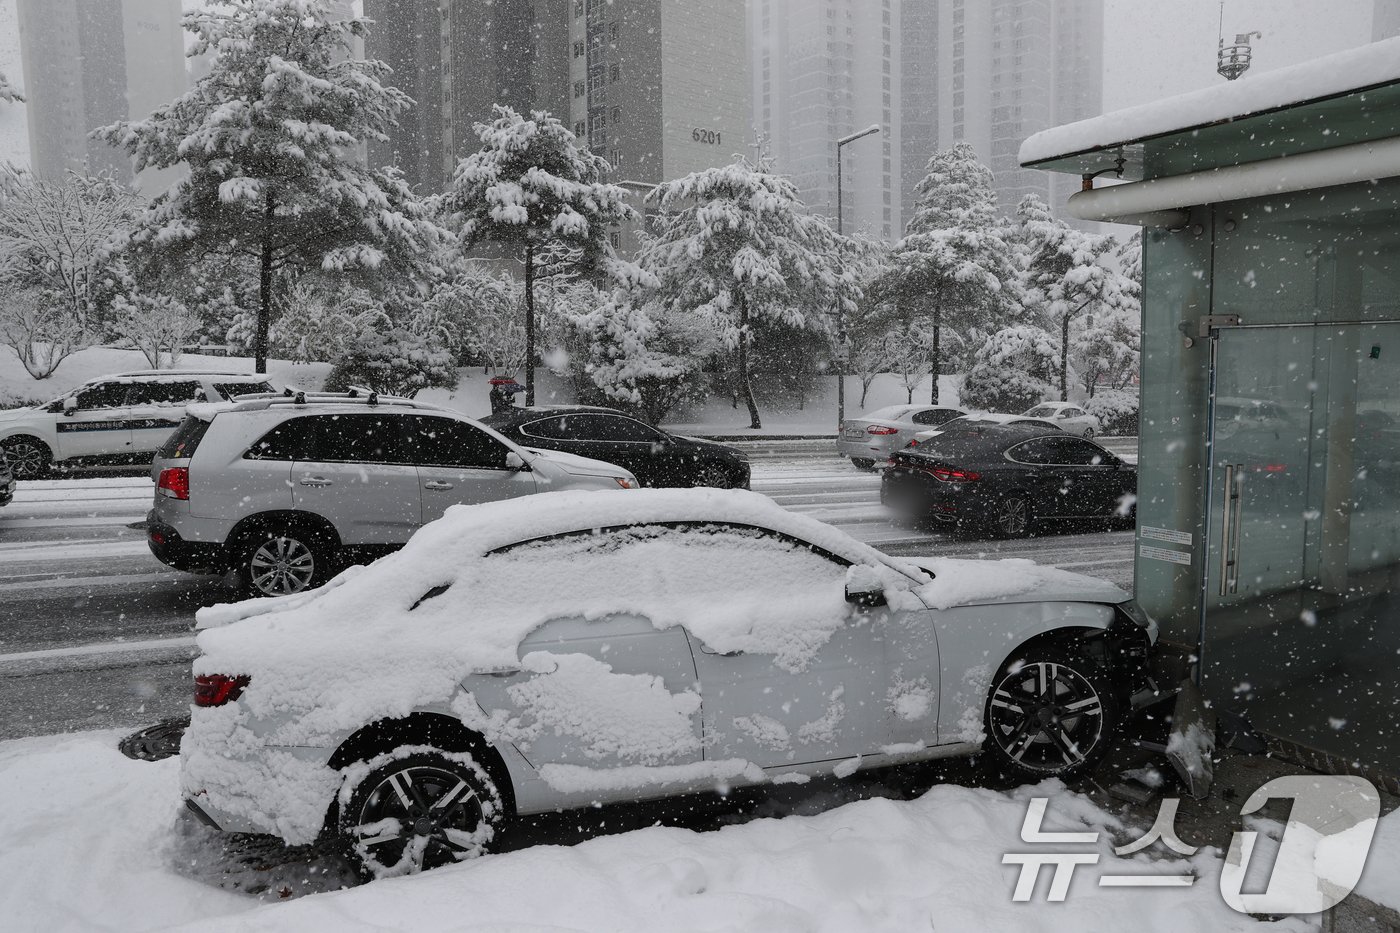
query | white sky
(1160,48)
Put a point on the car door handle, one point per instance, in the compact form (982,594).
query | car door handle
(723,654)
(317,481)
(436,484)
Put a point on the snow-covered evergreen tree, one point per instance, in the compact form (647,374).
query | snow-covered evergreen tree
(531,188)
(1069,278)
(952,266)
(735,246)
(271,139)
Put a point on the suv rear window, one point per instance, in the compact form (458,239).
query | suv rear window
(181,444)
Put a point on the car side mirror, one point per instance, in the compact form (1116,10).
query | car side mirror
(516,462)
(866,595)
(70,405)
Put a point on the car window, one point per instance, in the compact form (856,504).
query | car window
(558,428)
(230,389)
(182,444)
(1042,411)
(1074,412)
(1061,450)
(1037,450)
(361,438)
(103,395)
(293,439)
(935,416)
(434,441)
(164,393)
(613,428)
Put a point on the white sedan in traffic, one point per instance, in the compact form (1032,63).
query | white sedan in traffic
(569,649)
(869,439)
(1068,417)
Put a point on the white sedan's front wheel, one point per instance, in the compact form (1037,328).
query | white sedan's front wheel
(1051,713)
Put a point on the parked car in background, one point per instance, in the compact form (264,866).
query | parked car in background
(871,437)
(283,488)
(120,419)
(7,480)
(978,422)
(1010,480)
(655,457)
(1067,416)
(570,650)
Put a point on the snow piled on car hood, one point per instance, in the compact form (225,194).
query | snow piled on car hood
(1013,580)
(579,466)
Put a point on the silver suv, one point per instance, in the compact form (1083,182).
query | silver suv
(282,489)
(122,418)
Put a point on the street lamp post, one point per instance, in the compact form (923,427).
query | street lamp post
(841,350)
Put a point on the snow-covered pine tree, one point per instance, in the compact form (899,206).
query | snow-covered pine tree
(1066,276)
(735,246)
(271,138)
(951,260)
(531,188)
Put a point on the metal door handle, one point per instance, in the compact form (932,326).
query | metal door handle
(1230,522)
(436,484)
(723,654)
(317,481)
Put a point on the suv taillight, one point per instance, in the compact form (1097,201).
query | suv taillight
(174,482)
(218,689)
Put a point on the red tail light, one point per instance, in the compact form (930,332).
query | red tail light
(1275,467)
(174,483)
(881,431)
(912,444)
(218,689)
(950,475)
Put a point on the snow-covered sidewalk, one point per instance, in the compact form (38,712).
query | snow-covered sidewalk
(90,840)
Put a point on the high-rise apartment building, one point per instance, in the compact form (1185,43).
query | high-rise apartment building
(659,88)
(823,69)
(456,58)
(1010,68)
(918,95)
(89,63)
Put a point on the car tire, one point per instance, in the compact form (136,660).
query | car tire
(419,812)
(1013,516)
(1088,432)
(1051,712)
(715,475)
(30,458)
(861,463)
(281,561)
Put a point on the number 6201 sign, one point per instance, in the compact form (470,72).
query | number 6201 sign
(712,137)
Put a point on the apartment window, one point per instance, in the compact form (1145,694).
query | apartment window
(580,128)
(578,7)
(613,30)
(578,49)
(615,158)
(958,99)
(615,239)
(957,48)
(580,88)
(617,114)
(615,72)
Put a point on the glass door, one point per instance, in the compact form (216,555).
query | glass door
(1301,631)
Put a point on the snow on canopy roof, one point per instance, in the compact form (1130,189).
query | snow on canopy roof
(1330,76)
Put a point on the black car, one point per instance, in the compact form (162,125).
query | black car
(653,456)
(1009,480)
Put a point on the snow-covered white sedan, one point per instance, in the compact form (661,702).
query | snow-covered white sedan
(566,649)
(1067,416)
(870,438)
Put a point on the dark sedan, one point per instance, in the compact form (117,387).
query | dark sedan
(7,480)
(1009,480)
(653,456)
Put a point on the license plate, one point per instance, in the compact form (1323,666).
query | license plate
(854,432)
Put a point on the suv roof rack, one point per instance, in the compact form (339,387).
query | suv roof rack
(291,395)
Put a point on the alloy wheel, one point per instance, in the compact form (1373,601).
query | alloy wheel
(280,566)
(419,817)
(1013,516)
(1046,716)
(28,459)
(712,474)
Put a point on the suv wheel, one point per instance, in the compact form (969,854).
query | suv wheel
(279,562)
(29,457)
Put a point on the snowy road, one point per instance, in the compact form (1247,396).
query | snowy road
(94,632)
